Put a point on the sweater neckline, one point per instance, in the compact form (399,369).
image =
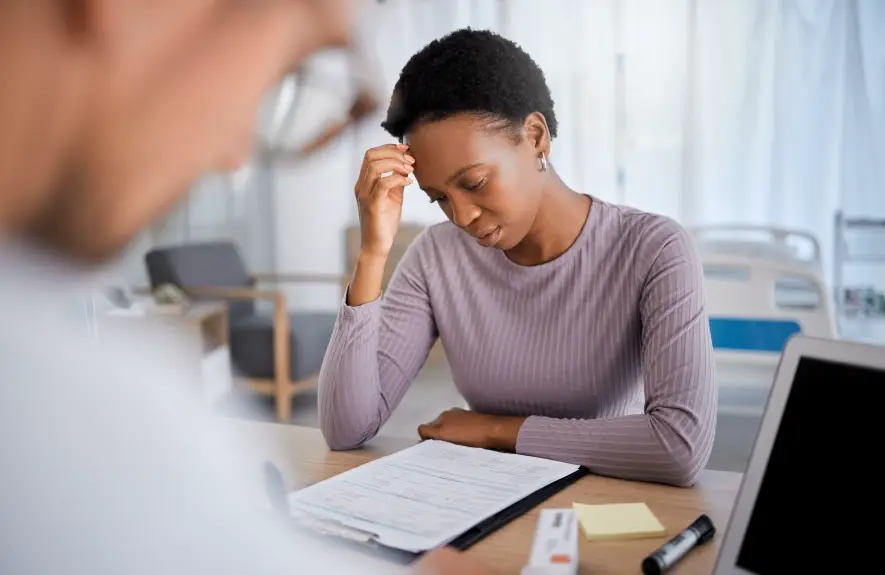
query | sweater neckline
(564,258)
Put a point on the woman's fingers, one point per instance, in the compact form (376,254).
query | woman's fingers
(376,169)
(387,151)
(379,167)
(384,185)
(431,430)
(428,431)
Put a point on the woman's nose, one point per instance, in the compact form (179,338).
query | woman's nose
(464,213)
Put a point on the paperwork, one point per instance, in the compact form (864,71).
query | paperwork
(423,497)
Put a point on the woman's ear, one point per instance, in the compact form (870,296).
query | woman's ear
(537,133)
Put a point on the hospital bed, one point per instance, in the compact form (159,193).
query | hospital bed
(763,285)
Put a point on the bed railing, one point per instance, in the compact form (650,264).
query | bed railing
(782,237)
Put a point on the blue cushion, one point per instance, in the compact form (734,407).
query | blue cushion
(252,351)
(210,264)
(750,334)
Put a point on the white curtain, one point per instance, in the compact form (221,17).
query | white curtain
(715,111)
(710,111)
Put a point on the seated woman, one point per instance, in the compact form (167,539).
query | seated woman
(574,328)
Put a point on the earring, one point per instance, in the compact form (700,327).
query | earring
(543,160)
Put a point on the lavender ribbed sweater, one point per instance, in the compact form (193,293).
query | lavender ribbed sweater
(607,348)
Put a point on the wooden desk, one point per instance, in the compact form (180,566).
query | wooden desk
(303,458)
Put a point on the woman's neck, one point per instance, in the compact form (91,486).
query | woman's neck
(561,217)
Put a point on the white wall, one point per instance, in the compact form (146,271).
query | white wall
(314,201)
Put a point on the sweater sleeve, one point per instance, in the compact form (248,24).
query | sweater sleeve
(671,441)
(375,352)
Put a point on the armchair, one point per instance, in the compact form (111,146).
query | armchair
(279,354)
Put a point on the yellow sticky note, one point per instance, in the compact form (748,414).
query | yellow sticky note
(618,521)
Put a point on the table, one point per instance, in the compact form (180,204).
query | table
(303,458)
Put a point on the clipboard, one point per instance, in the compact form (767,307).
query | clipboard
(277,494)
(488,526)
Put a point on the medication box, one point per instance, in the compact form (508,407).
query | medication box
(555,548)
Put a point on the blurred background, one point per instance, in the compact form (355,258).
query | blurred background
(758,124)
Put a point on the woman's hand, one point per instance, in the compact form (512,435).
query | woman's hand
(474,429)
(380,202)
(380,198)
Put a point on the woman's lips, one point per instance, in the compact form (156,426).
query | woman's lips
(490,238)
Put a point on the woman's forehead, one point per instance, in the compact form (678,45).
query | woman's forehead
(443,148)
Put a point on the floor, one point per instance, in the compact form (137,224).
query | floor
(433,392)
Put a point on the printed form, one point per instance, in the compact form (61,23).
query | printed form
(425,496)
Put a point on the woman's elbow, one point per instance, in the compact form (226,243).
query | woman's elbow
(683,474)
(688,464)
(339,427)
(338,440)
(338,444)
(688,456)
(682,467)
(345,433)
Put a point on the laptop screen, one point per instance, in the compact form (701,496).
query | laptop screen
(821,484)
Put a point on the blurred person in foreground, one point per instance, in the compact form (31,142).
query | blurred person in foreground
(109,110)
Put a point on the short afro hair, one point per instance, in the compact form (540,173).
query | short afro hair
(469,71)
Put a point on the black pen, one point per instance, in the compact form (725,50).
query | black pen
(698,533)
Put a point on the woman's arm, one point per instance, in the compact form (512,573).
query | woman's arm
(672,440)
(378,347)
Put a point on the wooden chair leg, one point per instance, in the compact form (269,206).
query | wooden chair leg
(283,401)
(281,351)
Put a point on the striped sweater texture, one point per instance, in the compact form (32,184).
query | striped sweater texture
(606,348)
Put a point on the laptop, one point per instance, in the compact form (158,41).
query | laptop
(812,495)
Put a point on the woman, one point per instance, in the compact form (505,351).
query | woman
(574,328)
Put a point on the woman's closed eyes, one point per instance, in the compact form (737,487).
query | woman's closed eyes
(473,186)
(468,186)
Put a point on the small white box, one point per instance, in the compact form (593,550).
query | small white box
(555,548)
(218,380)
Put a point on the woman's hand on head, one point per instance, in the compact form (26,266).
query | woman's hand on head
(379,195)
(474,429)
